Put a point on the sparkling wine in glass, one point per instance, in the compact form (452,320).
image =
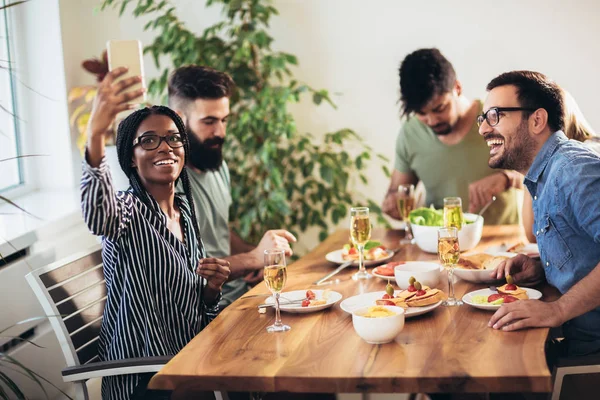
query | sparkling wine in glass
(453,214)
(275,276)
(449,253)
(360,233)
(406,203)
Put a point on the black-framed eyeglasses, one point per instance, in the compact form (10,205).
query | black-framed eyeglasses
(492,116)
(151,142)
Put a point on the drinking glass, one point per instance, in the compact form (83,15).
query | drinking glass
(360,233)
(406,203)
(449,253)
(453,215)
(275,278)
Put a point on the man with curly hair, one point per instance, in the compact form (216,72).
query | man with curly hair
(439,144)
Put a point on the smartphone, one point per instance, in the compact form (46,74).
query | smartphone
(128,53)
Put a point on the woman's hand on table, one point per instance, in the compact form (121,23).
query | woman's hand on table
(527,314)
(523,269)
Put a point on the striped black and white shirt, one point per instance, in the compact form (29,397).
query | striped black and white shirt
(153,305)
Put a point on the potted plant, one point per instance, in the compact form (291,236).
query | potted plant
(281,177)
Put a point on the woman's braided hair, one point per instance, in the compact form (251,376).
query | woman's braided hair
(125,136)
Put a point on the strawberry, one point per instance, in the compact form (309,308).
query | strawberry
(509,298)
(494,297)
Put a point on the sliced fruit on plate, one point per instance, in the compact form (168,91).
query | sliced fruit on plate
(513,290)
(387,269)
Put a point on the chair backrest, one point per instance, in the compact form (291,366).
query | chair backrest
(72,293)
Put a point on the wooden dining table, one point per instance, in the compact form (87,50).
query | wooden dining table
(450,349)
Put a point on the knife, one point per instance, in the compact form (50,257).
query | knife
(335,272)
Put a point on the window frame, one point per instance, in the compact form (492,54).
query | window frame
(12,104)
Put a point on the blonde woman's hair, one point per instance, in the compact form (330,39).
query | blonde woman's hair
(576,126)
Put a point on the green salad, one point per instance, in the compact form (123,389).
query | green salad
(429,216)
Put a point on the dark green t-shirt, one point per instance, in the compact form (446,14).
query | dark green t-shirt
(447,171)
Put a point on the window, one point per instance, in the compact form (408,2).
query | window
(10,170)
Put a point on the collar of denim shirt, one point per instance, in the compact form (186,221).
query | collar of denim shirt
(541,160)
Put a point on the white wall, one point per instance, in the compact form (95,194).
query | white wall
(354,47)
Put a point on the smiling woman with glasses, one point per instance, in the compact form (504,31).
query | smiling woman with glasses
(161,290)
(151,142)
(492,116)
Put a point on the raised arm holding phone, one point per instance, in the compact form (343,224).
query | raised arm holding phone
(161,291)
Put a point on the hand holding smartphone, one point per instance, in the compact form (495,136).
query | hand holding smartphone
(128,53)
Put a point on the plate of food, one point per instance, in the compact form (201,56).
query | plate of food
(488,299)
(386,271)
(375,253)
(478,266)
(417,302)
(306,301)
(529,249)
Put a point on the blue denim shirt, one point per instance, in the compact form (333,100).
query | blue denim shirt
(564,182)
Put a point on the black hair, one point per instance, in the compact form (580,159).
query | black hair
(125,136)
(535,90)
(193,82)
(424,73)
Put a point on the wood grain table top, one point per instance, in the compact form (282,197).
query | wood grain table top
(450,349)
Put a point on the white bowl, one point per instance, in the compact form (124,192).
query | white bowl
(479,275)
(378,330)
(468,237)
(428,273)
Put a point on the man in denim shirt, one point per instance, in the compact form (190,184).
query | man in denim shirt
(522,123)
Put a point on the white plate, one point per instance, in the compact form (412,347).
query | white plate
(530,249)
(336,257)
(385,277)
(297,308)
(368,299)
(467,298)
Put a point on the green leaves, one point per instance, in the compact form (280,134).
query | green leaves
(281,178)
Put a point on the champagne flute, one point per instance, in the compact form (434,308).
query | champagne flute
(406,203)
(275,278)
(449,253)
(360,233)
(453,215)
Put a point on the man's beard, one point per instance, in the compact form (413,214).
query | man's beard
(520,156)
(202,155)
(442,129)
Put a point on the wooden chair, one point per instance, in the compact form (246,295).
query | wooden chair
(576,378)
(72,293)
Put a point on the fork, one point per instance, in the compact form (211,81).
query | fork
(265,305)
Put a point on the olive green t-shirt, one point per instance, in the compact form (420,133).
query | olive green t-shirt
(447,171)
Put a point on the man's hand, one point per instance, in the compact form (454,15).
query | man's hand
(522,268)
(215,271)
(273,239)
(527,314)
(390,205)
(482,191)
(254,277)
